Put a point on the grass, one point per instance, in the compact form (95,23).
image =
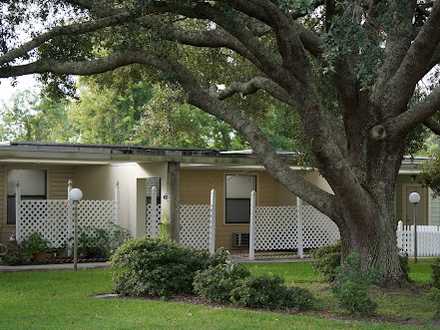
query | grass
(64,300)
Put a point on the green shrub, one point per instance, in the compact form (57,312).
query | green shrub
(436,273)
(404,265)
(326,261)
(351,287)
(156,267)
(216,283)
(100,243)
(34,244)
(434,296)
(270,292)
(13,255)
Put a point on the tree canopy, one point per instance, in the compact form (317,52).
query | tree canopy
(347,74)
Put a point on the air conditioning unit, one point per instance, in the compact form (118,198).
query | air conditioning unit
(240,240)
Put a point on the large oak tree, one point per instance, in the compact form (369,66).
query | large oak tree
(349,69)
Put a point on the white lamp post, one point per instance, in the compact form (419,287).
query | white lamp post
(414,199)
(75,195)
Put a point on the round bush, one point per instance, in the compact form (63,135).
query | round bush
(156,267)
(271,293)
(216,283)
(326,261)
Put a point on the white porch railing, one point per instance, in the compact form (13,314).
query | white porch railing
(289,228)
(428,240)
(52,219)
(196,227)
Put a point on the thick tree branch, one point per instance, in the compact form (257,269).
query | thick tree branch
(400,125)
(415,64)
(252,86)
(82,68)
(77,28)
(433,125)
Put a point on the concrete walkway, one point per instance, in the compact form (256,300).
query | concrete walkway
(33,268)
(245,259)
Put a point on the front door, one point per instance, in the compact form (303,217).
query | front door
(407,207)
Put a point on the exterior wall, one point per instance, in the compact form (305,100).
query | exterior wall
(402,202)
(98,182)
(57,178)
(195,187)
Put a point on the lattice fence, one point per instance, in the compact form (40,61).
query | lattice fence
(52,218)
(318,229)
(152,224)
(277,228)
(194,226)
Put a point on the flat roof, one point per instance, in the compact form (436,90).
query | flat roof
(76,152)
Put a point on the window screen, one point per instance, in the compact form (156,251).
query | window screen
(238,198)
(32,186)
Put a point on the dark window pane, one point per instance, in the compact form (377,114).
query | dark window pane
(238,210)
(11,210)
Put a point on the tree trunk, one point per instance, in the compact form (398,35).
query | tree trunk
(369,228)
(376,244)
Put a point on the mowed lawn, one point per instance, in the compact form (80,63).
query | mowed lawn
(65,300)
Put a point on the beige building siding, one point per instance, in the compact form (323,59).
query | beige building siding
(57,178)
(405,182)
(195,187)
(57,181)
(98,182)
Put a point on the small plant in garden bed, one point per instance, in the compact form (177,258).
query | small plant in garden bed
(351,286)
(326,261)
(95,245)
(270,292)
(216,283)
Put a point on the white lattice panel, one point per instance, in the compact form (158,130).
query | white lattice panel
(275,228)
(194,226)
(152,225)
(50,218)
(318,229)
(96,214)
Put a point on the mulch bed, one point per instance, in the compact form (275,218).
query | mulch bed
(60,260)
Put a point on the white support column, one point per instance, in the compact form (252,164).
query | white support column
(17,213)
(212,222)
(153,227)
(252,226)
(399,234)
(300,235)
(69,236)
(116,216)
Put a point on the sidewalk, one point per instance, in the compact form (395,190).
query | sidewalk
(32,268)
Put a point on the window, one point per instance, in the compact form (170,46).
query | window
(238,198)
(32,186)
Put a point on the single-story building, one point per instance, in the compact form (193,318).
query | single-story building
(181,177)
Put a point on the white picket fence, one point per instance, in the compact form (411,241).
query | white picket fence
(428,240)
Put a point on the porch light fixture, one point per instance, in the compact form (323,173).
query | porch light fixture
(75,195)
(414,199)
